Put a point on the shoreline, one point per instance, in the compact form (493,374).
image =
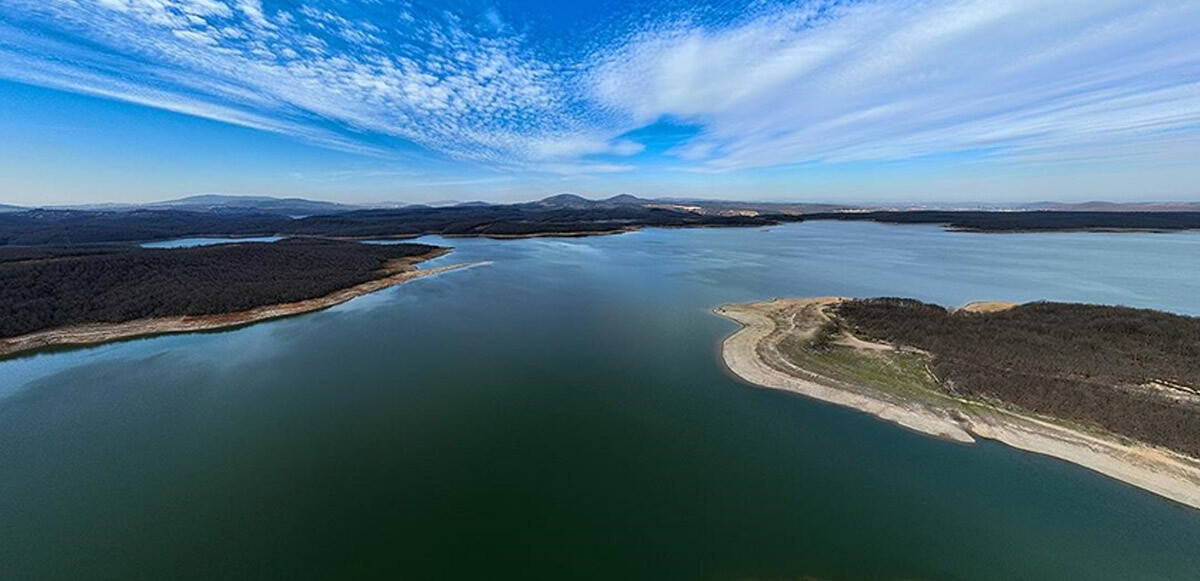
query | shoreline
(397,272)
(746,353)
(786,220)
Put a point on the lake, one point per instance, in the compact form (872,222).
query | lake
(563,414)
(210,241)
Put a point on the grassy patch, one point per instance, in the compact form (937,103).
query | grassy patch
(896,372)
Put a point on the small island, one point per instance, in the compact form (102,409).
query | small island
(82,295)
(1113,389)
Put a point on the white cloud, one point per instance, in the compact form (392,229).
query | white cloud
(471,97)
(895,80)
(1028,81)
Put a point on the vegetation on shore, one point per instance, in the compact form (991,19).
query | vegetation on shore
(63,227)
(812,340)
(1027,221)
(908,371)
(1131,372)
(557,216)
(48,288)
(896,372)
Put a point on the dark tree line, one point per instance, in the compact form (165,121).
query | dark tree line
(1084,363)
(45,288)
(506,220)
(71,227)
(63,227)
(1032,221)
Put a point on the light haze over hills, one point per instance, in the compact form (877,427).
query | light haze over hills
(225,203)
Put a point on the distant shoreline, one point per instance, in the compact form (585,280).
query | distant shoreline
(751,354)
(398,272)
(557,216)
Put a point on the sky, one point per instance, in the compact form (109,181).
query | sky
(421,101)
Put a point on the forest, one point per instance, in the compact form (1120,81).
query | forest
(73,227)
(1132,372)
(507,220)
(1033,221)
(49,287)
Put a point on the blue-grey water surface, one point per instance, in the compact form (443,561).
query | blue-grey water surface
(563,414)
(205,241)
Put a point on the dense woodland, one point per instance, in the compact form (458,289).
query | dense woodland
(73,227)
(507,220)
(1043,221)
(1084,363)
(41,227)
(48,287)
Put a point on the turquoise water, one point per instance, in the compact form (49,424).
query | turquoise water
(563,414)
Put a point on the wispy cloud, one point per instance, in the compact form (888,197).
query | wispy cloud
(1025,81)
(831,82)
(310,72)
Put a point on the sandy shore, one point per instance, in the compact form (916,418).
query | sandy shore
(751,353)
(400,271)
(987,306)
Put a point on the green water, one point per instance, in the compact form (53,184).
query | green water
(563,414)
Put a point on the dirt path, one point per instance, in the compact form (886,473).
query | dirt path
(752,354)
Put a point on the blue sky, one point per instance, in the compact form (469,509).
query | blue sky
(371,100)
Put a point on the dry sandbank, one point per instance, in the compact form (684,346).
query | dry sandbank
(400,271)
(751,353)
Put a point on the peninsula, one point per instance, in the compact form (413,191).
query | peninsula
(83,295)
(1112,389)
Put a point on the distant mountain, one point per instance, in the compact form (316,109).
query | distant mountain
(566,201)
(264,204)
(300,207)
(574,201)
(626,200)
(453,204)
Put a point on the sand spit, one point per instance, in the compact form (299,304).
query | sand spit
(752,354)
(400,271)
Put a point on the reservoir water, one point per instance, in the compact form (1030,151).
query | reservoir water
(563,414)
(192,242)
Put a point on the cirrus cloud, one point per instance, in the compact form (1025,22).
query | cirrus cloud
(832,82)
(1025,81)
